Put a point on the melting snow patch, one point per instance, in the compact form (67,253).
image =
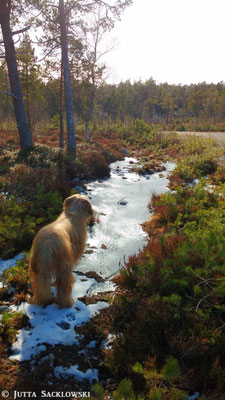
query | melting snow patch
(102,287)
(194,396)
(107,344)
(91,374)
(6,264)
(95,308)
(92,344)
(53,325)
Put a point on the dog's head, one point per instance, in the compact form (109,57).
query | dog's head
(79,204)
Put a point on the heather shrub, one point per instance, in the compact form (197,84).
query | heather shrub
(95,165)
(219,176)
(7,327)
(195,167)
(17,276)
(39,156)
(10,324)
(17,227)
(20,220)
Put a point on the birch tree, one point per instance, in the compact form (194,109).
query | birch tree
(94,33)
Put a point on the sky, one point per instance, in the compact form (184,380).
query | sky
(174,41)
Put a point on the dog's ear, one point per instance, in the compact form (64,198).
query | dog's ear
(68,202)
(86,206)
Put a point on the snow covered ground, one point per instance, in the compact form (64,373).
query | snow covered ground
(52,325)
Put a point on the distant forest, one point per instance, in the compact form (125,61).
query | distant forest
(174,107)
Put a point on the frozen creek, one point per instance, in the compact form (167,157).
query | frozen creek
(119,234)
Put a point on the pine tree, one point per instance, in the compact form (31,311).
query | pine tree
(16,92)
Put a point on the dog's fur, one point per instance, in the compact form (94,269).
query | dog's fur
(56,248)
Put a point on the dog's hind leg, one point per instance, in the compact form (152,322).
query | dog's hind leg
(41,269)
(41,289)
(64,282)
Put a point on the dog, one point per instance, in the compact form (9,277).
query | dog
(55,250)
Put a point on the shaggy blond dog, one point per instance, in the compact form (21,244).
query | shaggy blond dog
(56,248)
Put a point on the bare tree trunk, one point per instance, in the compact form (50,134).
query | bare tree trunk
(21,119)
(90,111)
(71,142)
(28,99)
(61,133)
(89,116)
(87,132)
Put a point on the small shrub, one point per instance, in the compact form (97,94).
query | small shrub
(96,165)
(160,384)
(124,391)
(99,391)
(11,322)
(38,156)
(17,276)
(20,220)
(17,227)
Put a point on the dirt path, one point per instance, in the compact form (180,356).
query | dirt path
(218,136)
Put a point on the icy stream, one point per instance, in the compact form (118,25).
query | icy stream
(119,234)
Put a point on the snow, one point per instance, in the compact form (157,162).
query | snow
(194,396)
(107,344)
(73,371)
(92,344)
(5,264)
(53,325)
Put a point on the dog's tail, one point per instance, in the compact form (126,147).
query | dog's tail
(42,258)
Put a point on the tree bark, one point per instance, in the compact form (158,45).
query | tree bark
(71,140)
(10,53)
(90,111)
(87,132)
(61,133)
(28,98)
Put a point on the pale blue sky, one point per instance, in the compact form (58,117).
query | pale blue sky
(174,41)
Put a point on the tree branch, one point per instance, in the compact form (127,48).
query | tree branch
(9,94)
(49,52)
(21,30)
(47,41)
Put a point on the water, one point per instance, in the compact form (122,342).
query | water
(119,234)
